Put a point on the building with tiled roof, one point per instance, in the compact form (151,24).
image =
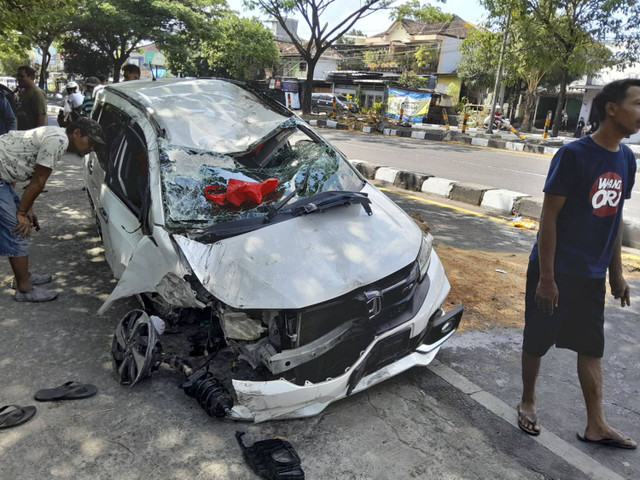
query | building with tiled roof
(404,37)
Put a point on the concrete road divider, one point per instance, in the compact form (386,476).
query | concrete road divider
(528,207)
(438,186)
(367,169)
(386,174)
(468,192)
(501,200)
(410,180)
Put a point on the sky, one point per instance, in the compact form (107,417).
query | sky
(469,10)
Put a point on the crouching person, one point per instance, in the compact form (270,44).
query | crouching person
(32,155)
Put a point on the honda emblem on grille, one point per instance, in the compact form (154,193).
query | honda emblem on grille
(374,303)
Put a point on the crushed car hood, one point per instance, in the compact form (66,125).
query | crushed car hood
(306,260)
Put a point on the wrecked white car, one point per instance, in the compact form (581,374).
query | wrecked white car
(232,220)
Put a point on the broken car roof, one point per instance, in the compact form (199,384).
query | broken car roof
(206,114)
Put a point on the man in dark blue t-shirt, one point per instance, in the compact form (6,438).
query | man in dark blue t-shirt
(580,238)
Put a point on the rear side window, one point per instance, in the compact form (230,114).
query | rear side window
(124,157)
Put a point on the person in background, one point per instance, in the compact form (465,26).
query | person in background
(97,88)
(90,84)
(579,127)
(564,120)
(7,118)
(579,242)
(32,103)
(497,118)
(72,103)
(131,72)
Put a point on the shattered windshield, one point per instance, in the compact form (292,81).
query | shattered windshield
(201,188)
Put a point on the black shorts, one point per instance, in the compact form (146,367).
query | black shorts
(577,323)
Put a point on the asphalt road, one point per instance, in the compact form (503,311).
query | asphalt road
(521,172)
(452,421)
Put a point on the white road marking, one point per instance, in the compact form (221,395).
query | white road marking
(553,443)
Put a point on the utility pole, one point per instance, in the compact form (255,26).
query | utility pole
(499,74)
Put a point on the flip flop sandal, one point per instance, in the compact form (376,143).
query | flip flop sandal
(532,420)
(67,391)
(610,442)
(18,416)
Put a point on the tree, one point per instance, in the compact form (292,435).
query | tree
(40,23)
(322,35)
(13,53)
(414,10)
(243,49)
(410,79)
(479,58)
(526,60)
(110,30)
(573,29)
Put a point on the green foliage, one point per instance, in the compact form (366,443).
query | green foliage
(453,90)
(573,28)
(414,10)
(479,58)
(109,30)
(426,58)
(379,58)
(410,79)
(10,60)
(243,49)
(40,24)
(358,96)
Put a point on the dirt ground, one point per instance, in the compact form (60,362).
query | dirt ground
(495,296)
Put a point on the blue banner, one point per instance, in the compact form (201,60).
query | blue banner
(415,105)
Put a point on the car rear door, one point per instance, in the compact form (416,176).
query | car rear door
(124,188)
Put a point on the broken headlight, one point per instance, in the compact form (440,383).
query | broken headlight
(424,255)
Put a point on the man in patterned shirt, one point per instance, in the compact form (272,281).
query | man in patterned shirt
(32,155)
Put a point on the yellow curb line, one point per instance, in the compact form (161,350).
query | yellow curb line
(450,207)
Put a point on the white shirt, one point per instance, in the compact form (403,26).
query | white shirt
(73,100)
(21,150)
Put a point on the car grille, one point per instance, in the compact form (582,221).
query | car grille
(374,309)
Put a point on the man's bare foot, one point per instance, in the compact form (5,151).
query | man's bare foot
(607,436)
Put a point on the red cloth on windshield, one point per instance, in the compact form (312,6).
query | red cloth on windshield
(239,191)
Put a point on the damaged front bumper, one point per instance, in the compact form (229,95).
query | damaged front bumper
(413,343)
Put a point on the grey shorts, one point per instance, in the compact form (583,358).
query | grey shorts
(10,245)
(577,323)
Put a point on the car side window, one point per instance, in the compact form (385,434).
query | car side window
(113,121)
(128,167)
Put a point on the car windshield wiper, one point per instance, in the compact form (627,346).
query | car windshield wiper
(326,200)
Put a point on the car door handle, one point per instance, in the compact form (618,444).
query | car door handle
(104,214)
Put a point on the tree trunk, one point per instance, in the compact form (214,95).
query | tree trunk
(308,86)
(117,64)
(529,108)
(557,121)
(46,58)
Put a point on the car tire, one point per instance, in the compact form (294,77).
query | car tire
(315,110)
